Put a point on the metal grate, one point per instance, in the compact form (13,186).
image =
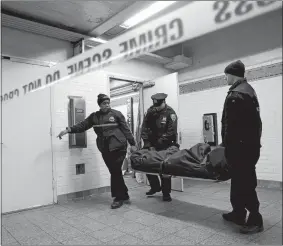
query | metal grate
(254,74)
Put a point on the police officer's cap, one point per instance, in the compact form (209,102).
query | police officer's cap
(159,96)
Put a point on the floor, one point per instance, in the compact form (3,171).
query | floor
(192,218)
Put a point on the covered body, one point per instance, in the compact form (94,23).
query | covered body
(197,162)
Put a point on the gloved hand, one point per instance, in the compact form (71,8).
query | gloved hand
(133,149)
(159,142)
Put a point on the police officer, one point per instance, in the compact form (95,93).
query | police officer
(241,134)
(112,136)
(159,131)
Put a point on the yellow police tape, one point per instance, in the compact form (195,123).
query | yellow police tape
(195,19)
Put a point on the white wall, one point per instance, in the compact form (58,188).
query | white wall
(255,43)
(89,86)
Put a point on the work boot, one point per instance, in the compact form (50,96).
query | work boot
(250,229)
(117,203)
(253,225)
(167,198)
(152,192)
(232,217)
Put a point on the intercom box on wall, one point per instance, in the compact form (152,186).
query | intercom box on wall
(210,131)
(76,110)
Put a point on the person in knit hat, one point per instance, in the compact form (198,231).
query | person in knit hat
(113,134)
(241,136)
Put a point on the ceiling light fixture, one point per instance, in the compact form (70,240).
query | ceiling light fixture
(98,40)
(146,13)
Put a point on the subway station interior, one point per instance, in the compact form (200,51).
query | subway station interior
(141,122)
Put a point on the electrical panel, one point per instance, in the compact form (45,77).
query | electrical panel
(77,114)
(210,131)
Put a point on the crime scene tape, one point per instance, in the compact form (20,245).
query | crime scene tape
(195,19)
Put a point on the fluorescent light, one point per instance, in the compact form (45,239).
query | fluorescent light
(98,40)
(146,13)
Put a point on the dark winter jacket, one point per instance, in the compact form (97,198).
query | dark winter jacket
(109,138)
(159,129)
(241,121)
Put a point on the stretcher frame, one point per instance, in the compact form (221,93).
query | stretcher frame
(184,177)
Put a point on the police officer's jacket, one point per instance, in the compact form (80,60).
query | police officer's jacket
(159,129)
(241,122)
(109,138)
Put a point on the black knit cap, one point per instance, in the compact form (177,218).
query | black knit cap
(101,98)
(236,68)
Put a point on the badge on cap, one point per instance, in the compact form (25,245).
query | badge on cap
(112,119)
(173,117)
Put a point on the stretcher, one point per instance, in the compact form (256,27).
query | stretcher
(198,162)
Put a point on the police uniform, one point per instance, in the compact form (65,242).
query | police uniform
(112,143)
(159,130)
(241,134)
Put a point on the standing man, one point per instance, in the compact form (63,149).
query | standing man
(159,131)
(112,136)
(241,134)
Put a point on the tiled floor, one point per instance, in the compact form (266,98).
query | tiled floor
(193,217)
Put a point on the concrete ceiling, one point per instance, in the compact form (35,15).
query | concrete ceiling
(76,16)
(87,18)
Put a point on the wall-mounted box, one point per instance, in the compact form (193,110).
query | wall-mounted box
(76,114)
(210,131)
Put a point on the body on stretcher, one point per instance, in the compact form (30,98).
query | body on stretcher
(197,162)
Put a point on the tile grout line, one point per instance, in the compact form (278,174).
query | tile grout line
(10,235)
(41,229)
(78,228)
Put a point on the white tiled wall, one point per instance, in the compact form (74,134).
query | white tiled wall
(211,101)
(96,173)
(269,92)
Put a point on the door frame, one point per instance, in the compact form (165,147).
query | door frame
(51,133)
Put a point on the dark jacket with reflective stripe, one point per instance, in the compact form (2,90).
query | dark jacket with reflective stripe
(241,121)
(159,129)
(109,138)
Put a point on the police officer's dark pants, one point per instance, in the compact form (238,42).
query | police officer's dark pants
(243,193)
(114,161)
(155,184)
